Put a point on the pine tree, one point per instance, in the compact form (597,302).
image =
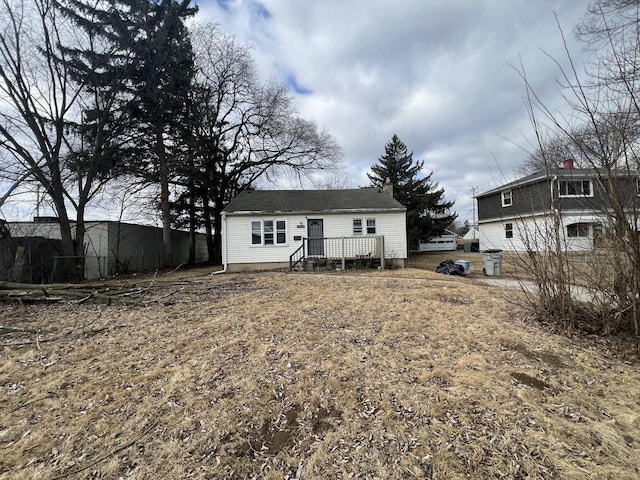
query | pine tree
(143,76)
(161,46)
(428,213)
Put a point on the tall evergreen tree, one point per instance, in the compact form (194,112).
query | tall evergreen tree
(100,137)
(163,51)
(150,64)
(428,213)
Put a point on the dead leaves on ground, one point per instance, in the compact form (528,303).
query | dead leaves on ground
(308,376)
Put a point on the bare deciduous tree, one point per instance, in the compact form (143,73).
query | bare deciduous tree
(39,99)
(603,134)
(62,127)
(243,130)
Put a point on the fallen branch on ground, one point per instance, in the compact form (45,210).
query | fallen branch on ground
(79,293)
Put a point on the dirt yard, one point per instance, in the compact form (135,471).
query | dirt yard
(379,375)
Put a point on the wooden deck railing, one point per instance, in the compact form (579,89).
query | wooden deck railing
(338,248)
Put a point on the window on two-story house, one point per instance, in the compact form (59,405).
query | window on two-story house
(576,230)
(575,188)
(508,230)
(507,198)
(268,232)
(364,225)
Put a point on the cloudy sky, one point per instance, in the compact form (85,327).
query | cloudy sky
(435,72)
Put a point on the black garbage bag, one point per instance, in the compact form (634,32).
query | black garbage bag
(449,268)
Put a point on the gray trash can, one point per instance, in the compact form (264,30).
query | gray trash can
(492,262)
(464,264)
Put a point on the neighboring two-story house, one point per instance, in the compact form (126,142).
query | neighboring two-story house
(518,215)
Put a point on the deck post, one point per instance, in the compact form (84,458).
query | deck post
(344,261)
(382,252)
(304,254)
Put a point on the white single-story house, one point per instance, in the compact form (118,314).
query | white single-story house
(113,247)
(267,229)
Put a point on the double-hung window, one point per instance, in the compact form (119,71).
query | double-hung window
(268,232)
(362,226)
(575,188)
(371,226)
(508,230)
(507,198)
(357,226)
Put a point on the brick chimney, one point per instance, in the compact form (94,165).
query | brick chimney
(568,164)
(388,186)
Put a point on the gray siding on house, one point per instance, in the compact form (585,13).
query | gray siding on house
(534,198)
(627,189)
(527,199)
(624,186)
(524,225)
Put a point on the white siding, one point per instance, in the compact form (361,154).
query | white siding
(238,239)
(394,228)
(537,233)
(238,235)
(492,235)
(441,243)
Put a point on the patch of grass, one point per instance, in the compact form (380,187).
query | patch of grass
(385,374)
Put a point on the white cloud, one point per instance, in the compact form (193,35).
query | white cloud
(436,73)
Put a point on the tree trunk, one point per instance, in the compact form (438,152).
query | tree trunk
(165,207)
(206,214)
(66,265)
(79,242)
(192,222)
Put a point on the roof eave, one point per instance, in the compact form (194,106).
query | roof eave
(313,212)
(515,184)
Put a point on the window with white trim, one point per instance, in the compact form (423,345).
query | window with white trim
(576,230)
(371,226)
(365,226)
(507,199)
(575,188)
(281,232)
(357,226)
(268,232)
(256,232)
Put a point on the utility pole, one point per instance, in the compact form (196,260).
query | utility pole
(473,201)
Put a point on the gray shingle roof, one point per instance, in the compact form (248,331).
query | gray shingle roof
(297,201)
